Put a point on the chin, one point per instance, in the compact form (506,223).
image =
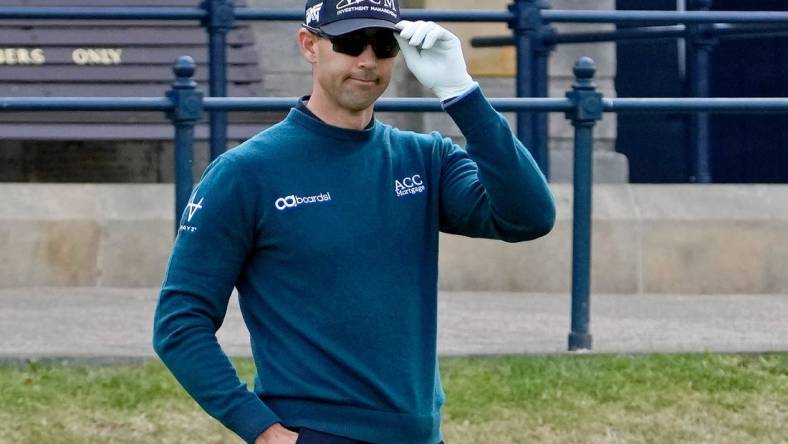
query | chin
(359,103)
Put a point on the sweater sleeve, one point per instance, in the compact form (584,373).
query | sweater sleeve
(217,231)
(493,188)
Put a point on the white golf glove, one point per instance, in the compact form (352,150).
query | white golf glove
(434,56)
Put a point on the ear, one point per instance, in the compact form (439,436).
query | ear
(308,44)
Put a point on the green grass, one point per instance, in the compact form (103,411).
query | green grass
(707,398)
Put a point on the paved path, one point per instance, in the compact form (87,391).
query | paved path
(116,323)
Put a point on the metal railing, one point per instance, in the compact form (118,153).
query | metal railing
(698,28)
(583,105)
(532,35)
(528,19)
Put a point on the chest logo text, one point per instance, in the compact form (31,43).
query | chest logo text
(293,201)
(409,185)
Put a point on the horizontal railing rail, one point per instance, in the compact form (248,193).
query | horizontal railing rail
(255,104)
(102,13)
(85,104)
(753,105)
(473,15)
(249,14)
(694,105)
(663,17)
(721,31)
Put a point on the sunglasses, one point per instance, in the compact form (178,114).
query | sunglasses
(354,43)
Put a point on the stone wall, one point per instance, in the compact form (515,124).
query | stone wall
(93,161)
(84,234)
(646,239)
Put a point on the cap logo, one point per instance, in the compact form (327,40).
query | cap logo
(313,14)
(348,3)
(388,7)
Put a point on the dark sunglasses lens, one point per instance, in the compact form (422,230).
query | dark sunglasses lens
(383,43)
(351,44)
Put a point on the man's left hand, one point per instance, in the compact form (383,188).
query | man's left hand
(434,56)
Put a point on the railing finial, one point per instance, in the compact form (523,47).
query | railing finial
(587,100)
(184,72)
(584,70)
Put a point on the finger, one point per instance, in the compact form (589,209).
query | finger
(407,50)
(421,31)
(402,24)
(432,37)
(409,29)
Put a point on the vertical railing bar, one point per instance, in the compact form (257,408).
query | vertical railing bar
(541,88)
(187,111)
(219,19)
(524,25)
(588,110)
(698,85)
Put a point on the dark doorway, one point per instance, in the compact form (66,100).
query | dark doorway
(745,148)
(653,143)
(750,147)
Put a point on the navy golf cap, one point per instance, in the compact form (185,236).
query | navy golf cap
(335,17)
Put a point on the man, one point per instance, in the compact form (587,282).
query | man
(327,224)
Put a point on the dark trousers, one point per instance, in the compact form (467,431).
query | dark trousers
(309,436)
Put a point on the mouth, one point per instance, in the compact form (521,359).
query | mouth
(364,80)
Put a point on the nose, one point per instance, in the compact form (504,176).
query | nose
(367,59)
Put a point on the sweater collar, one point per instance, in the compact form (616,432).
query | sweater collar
(306,119)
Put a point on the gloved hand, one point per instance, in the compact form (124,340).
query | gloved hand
(434,56)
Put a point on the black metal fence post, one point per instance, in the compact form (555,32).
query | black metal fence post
(218,22)
(543,46)
(587,111)
(526,24)
(187,110)
(699,46)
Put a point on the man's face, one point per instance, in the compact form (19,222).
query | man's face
(350,82)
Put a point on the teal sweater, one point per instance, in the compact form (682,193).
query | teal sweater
(330,236)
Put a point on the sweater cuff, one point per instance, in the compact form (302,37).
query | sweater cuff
(452,100)
(251,419)
(470,110)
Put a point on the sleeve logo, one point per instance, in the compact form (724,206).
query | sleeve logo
(191,209)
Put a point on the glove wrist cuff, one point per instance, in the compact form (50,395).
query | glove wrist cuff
(446,92)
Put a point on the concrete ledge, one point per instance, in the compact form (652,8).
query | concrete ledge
(84,235)
(608,167)
(646,239)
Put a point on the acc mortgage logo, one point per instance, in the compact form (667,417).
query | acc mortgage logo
(409,185)
(293,201)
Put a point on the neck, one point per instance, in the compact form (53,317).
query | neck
(338,116)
